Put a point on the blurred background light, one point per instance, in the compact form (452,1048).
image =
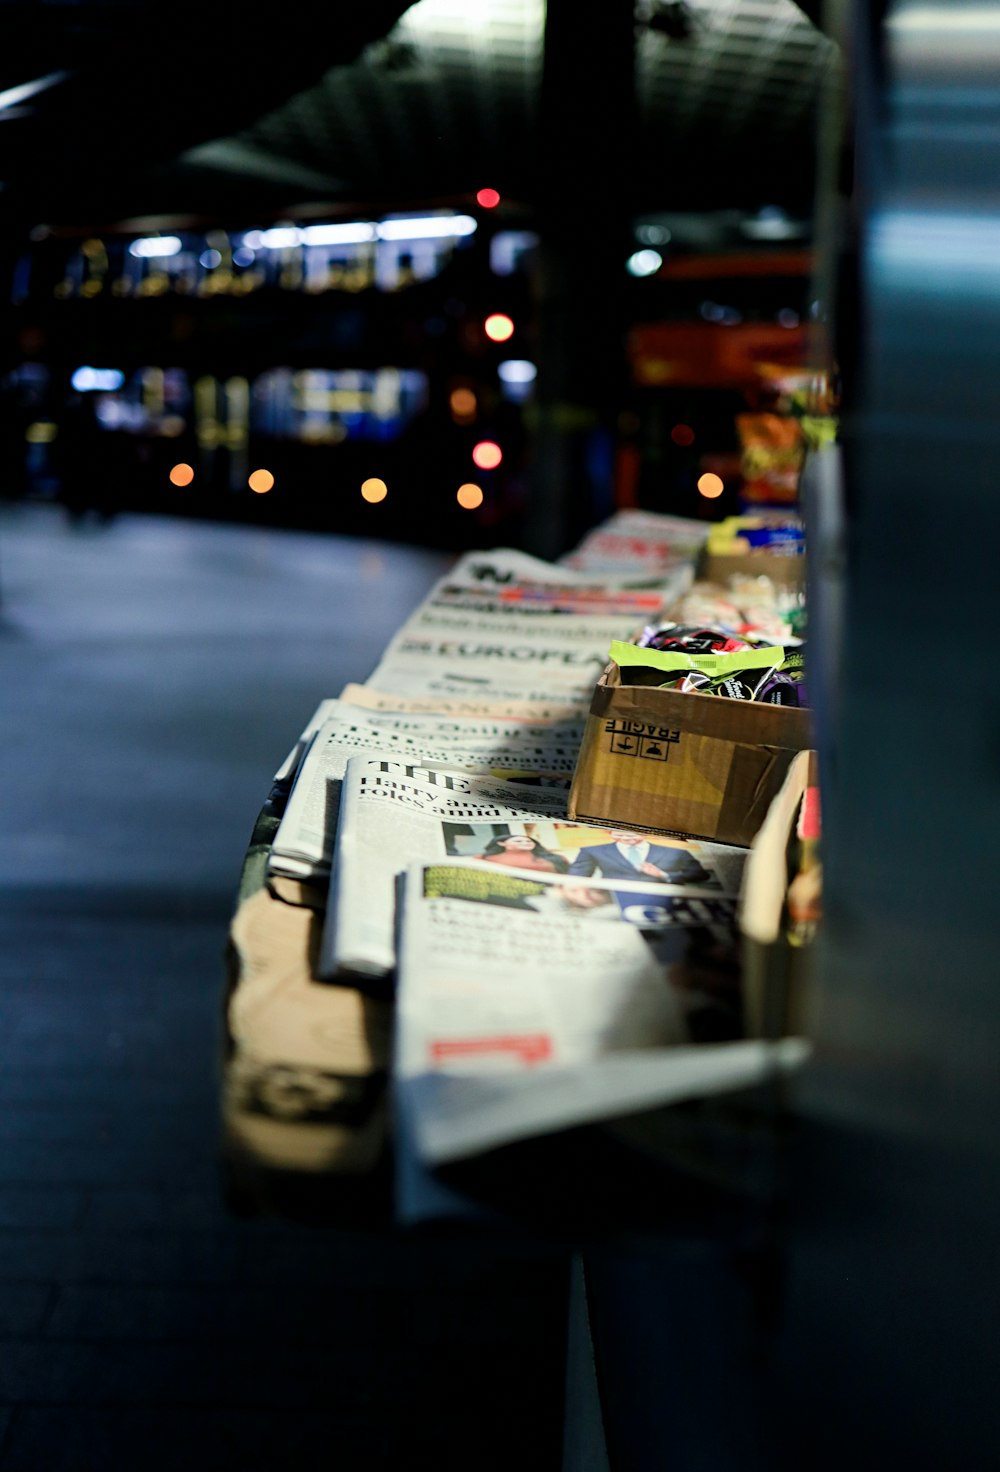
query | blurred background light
(155,245)
(427,227)
(653,234)
(772,223)
(182,475)
(280,237)
(351,232)
(261,481)
(510,250)
(644,262)
(682,434)
(710,485)
(14,96)
(498,327)
(469,496)
(488,198)
(462,402)
(487,455)
(517,370)
(99,380)
(374,490)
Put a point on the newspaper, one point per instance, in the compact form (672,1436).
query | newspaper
(637,543)
(303,843)
(501,593)
(494,663)
(393,814)
(504,629)
(286,772)
(534,712)
(508,626)
(504,566)
(513,1022)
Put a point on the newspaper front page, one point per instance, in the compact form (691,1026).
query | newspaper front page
(520,1011)
(534,712)
(633,543)
(506,626)
(393,814)
(303,844)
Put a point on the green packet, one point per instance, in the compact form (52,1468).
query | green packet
(714,666)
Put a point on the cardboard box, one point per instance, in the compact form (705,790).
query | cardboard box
(729,551)
(785,571)
(701,766)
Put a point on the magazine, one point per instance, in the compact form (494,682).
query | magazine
(511,1022)
(303,843)
(393,814)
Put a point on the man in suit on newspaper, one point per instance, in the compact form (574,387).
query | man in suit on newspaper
(630,856)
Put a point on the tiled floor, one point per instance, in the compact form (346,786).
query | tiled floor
(154,673)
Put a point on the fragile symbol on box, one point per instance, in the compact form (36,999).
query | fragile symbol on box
(629,738)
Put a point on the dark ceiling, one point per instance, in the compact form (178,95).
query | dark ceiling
(245,111)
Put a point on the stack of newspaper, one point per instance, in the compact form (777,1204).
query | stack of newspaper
(546,972)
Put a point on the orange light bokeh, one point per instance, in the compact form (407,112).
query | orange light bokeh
(374,490)
(682,434)
(498,327)
(487,455)
(181,475)
(710,485)
(462,402)
(488,198)
(469,496)
(261,481)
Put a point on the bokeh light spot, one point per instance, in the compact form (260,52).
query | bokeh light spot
(469,496)
(644,263)
(261,481)
(487,455)
(498,327)
(682,434)
(182,475)
(710,485)
(374,490)
(488,198)
(463,403)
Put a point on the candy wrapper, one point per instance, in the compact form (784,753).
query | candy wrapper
(770,675)
(690,639)
(750,608)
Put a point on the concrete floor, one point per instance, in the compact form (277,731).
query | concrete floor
(154,673)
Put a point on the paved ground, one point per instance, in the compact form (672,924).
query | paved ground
(153,674)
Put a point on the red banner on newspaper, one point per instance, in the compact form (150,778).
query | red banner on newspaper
(528,1048)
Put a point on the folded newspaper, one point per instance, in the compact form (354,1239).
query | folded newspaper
(303,844)
(507,626)
(525,1008)
(393,814)
(492,672)
(636,543)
